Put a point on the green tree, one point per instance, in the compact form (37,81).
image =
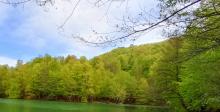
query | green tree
(4,71)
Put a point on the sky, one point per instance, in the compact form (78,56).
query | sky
(29,30)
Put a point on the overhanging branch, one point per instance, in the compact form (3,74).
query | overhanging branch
(134,32)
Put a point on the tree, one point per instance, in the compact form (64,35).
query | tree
(18,84)
(142,91)
(45,71)
(4,71)
(166,70)
(200,85)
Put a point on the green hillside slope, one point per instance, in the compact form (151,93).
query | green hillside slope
(160,74)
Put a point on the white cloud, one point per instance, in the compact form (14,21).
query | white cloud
(39,28)
(8,61)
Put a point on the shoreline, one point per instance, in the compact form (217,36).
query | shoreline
(103,103)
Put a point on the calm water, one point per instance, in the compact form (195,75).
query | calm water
(12,105)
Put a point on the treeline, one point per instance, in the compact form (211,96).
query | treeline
(112,78)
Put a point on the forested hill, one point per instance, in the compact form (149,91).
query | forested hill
(173,72)
(136,60)
(119,76)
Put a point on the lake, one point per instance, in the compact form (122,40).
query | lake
(14,105)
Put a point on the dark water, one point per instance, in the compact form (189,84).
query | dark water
(12,105)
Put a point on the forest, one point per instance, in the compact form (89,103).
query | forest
(158,74)
(182,72)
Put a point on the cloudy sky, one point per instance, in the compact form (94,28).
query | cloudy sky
(28,30)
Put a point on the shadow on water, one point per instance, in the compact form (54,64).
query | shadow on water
(13,105)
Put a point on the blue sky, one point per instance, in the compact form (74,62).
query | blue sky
(28,31)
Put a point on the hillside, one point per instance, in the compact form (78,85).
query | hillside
(134,59)
(147,74)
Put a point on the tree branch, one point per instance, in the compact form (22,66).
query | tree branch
(141,30)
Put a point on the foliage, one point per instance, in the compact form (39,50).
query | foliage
(113,77)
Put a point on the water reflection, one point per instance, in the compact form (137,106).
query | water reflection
(11,105)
